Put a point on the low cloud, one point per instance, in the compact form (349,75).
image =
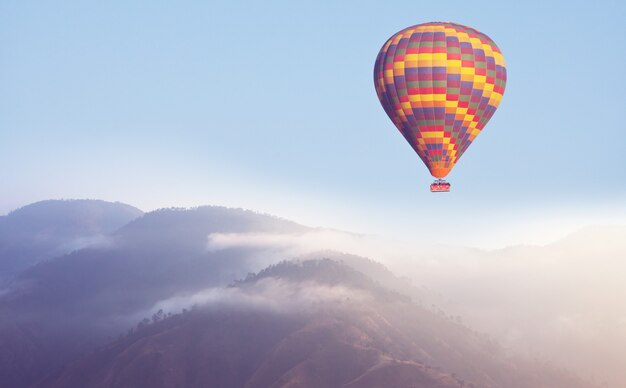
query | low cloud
(94,241)
(289,245)
(292,242)
(276,295)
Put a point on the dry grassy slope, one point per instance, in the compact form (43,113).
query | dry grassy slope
(244,349)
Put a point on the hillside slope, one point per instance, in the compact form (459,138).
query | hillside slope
(317,323)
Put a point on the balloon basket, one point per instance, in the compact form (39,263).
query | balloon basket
(439,186)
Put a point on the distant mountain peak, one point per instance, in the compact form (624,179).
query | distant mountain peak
(36,208)
(199,222)
(45,229)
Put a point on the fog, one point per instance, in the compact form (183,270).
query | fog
(272,294)
(562,302)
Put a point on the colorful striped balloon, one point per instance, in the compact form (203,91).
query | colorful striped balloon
(440,83)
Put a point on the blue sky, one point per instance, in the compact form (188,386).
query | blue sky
(271,106)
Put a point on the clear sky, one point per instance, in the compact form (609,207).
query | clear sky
(271,106)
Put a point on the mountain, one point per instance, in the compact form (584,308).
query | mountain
(53,314)
(64,306)
(47,229)
(315,323)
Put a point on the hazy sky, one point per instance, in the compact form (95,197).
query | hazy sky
(271,106)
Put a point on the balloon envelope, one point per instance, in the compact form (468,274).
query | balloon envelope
(440,83)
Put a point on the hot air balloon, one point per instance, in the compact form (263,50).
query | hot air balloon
(440,83)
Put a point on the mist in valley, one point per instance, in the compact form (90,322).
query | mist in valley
(562,302)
